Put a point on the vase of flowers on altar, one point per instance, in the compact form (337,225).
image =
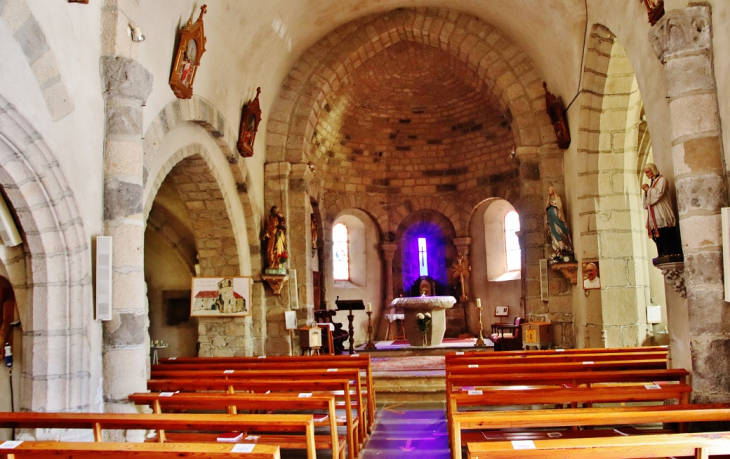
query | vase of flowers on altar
(423,322)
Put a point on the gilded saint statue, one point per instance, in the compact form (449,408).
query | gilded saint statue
(275,237)
(558,228)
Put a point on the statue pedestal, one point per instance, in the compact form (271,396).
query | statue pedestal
(436,305)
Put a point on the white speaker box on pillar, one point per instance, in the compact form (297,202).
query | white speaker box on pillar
(104,278)
(8,231)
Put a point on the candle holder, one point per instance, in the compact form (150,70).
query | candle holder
(370,345)
(480,342)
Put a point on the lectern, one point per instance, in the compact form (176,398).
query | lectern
(350,305)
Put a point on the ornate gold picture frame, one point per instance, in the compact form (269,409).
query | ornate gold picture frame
(187,59)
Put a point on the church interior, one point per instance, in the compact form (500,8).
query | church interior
(186,180)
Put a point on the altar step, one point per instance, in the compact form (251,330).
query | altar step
(412,386)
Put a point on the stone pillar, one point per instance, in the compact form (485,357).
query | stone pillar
(299,221)
(682,40)
(389,249)
(276,193)
(126,86)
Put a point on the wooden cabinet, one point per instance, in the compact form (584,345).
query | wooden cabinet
(538,334)
(310,339)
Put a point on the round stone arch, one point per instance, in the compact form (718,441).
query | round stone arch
(54,297)
(367,204)
(610,212)
(200,112)
(455,218)
(489,54)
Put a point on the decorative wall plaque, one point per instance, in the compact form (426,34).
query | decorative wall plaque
(187,59)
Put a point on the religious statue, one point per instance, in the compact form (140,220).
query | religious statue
(275,237)
(461,270)
(558,228)
(660,221)
(314,228)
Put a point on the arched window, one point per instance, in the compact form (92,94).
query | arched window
(512,242)
(341,252)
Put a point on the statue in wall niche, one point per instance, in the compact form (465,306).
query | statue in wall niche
(558,228)
(661,222)
(275,237)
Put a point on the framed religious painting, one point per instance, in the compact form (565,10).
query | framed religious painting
(250,119)
(190,50)
(221,296)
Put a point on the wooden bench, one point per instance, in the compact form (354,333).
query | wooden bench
(98,422)
(497,358)
(450,356)
(699,445)
(519,367)
(587,417)
(352,375)
(274,401)
(71,450)
(359,361)
(326,362)
(336,387)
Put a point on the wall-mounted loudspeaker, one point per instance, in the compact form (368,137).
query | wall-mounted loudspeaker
(104,278)
(8,231)
(544,286)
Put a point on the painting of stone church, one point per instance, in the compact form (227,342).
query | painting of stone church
(220,296)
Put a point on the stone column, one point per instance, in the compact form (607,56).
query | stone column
(682,40)
(389,249)
(276,193)
(300,238)
(126,86)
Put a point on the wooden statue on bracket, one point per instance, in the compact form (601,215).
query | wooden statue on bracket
(250,120)
(187,59)
(555,110)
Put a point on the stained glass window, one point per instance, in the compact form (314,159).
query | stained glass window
(341,252)
(422,257)
(512,243)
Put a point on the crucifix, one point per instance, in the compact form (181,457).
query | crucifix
(461,270)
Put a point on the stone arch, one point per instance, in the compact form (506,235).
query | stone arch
(28,33)
(501,69)
(368,204)
(456,218)
(609,205)
(200,112)
(54,294)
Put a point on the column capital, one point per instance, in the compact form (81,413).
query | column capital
(682,32)
(389,249)
(460,242)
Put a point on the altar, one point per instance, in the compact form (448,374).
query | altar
(436,305)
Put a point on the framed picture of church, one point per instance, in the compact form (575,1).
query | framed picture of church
(221,296)
(187,58)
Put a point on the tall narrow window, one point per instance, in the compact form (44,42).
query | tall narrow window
(512,243)
(422,257)
(341,252)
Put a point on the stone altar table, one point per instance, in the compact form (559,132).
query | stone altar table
(436,305)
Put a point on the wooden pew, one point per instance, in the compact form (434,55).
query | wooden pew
(519,367)
(699,445)
(595,350)
(557,419)
(497,358)
(337,387)
(359,361)
(69,450)
(271,371)
(234,402)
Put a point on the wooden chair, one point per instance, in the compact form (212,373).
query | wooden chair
(507,337)
(339,336)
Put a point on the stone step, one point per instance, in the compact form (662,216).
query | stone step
(409,386)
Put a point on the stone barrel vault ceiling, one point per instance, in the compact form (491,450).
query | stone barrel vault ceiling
(411,117)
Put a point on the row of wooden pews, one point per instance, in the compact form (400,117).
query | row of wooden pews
(309,390)
(480,386)
(290,384)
